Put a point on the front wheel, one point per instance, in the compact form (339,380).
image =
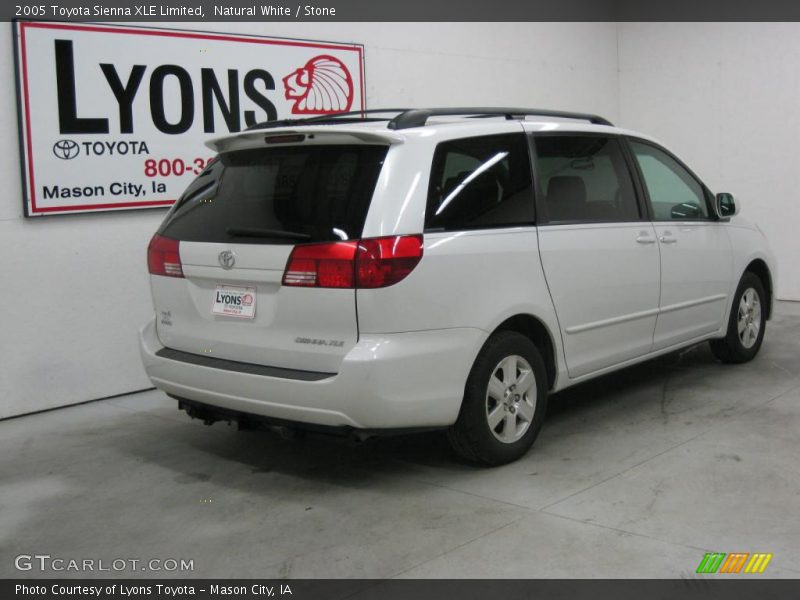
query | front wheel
(505,400)
(746,324)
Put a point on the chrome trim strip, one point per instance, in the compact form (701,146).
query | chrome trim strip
(613,321)
(643,314)
(690,303)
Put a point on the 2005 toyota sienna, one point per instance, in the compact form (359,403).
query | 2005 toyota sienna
(440,268)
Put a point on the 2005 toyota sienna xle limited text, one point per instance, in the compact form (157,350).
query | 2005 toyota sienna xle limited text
(440,268)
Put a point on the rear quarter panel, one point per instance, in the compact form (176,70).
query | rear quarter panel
(466,279)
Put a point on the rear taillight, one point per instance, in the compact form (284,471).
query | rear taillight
(163,257)
(321,265)
(369,263)
(382,262)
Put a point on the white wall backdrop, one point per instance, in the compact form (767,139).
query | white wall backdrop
(726,98)
(75,288)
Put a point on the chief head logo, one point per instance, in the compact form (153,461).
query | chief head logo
(322,86)
(66,149)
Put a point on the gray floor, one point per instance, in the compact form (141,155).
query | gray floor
(635,475)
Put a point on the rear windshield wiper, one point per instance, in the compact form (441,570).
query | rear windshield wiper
(266,233)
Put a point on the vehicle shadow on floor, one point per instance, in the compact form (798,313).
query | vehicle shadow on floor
(346,462)
(614,392)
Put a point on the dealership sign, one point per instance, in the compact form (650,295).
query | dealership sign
(115,117)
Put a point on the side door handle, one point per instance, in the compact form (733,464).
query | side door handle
(667,240)
(644,237)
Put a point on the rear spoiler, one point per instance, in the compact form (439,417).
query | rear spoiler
(259,138)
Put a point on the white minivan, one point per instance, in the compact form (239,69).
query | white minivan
(401,270)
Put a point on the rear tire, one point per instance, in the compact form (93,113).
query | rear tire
(746,323)
(505,401)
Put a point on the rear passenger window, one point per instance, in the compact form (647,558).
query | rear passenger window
(481,182)
(584,179)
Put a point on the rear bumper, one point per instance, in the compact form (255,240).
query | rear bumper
(387,381)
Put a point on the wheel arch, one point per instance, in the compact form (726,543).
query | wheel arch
(759,268)
(535,330)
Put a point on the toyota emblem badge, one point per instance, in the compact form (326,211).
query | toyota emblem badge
(227,259)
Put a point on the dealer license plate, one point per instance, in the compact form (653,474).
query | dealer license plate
(234,301)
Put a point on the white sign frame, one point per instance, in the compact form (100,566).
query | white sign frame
(45,150)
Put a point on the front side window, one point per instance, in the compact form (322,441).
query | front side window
(674,193)
(584,179)
(482,182)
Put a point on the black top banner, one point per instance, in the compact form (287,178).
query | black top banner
(404,10)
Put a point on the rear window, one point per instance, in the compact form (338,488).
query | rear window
(279,195)
(480,182)
(585,179)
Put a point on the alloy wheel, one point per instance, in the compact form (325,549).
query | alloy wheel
(511,399)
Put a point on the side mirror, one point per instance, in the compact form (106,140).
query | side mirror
(725,206)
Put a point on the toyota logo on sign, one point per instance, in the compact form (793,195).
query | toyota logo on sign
(227,259)
(66,149)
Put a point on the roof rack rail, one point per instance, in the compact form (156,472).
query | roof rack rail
(406,118)
(419,116)
(356,116)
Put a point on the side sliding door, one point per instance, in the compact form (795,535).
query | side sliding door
(598,249)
